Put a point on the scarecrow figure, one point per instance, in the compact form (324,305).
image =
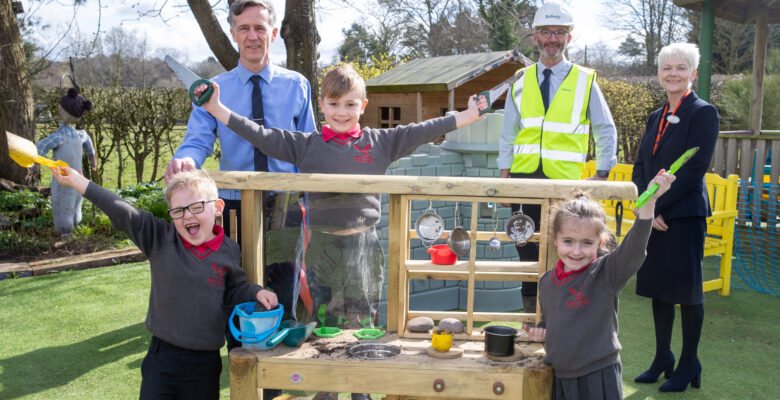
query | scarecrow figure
(68,143)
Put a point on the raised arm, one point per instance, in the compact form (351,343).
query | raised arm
(214,106)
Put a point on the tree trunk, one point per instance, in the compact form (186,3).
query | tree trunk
(299,31)
(218,41)
(16,100)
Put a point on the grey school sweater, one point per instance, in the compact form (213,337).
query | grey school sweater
(581,312)
(188,289)
(370,154)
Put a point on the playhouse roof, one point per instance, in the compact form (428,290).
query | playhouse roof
(739,11)
(437,74)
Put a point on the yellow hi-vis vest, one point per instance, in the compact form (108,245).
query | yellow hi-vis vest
(559,137)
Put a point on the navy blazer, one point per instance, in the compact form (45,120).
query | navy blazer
(698,127)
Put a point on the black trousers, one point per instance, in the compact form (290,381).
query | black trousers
(171,372)
(529,252)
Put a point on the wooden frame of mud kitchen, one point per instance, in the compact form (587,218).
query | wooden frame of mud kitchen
(249,371)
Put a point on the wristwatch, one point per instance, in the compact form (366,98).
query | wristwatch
(602,173)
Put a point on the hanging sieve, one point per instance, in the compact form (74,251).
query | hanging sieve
(520,227)
(429,226)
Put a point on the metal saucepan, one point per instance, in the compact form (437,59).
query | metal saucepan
(429,226)
(500,340)
(520,227)
(459,240)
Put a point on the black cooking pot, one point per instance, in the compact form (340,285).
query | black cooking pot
(500,340)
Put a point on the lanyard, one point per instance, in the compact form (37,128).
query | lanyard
(664,122)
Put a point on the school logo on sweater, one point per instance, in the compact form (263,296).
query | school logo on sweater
(579,299)
(365,154)
(218,280)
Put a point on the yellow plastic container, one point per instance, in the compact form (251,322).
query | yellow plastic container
(442,340)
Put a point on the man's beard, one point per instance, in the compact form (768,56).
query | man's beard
(560,48)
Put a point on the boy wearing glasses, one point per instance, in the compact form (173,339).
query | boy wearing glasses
(195,269)
(548,117)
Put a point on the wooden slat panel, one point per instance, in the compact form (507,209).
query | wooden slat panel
(481,266)
(718,158)
(758,170)
(745,159)
(408,379)
(478,316)
(775,169)
(441,186)
(731,155)
(472,269)
(479,276)
(496,199)
(243,375)
(394,263)
(252,235)
(481,235)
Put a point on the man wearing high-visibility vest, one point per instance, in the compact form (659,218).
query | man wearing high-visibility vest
(547,119)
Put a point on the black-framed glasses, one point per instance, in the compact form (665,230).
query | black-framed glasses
(195,208)
(546,34)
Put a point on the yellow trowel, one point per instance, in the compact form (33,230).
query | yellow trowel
(25,153)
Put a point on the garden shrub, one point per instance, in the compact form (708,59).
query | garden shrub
(149,196)
(127,124)
(630,104)
(21,200)
(735,103)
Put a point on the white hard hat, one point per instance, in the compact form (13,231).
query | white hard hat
(553,14)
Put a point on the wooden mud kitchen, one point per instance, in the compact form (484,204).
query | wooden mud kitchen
(329,365)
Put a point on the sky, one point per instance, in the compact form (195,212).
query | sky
(176,28)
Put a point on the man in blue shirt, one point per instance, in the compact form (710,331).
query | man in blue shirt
(286,104)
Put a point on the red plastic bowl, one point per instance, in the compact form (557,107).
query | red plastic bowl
(442,255)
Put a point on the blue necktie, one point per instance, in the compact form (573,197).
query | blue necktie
(261,160)
(545,88)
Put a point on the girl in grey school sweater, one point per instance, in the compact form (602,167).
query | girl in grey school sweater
(579,297)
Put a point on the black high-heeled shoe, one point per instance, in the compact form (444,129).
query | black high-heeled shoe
(681,377)
(665,365)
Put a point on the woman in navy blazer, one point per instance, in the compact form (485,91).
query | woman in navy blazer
(672,271)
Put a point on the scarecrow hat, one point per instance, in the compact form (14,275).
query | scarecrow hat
(74,103)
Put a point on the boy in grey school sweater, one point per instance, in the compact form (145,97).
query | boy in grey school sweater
(344,260)
(195,269)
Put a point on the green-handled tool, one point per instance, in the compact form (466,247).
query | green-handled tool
(190,80)
(675,166)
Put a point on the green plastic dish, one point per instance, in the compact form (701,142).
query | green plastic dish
(327,332)
(368,333)
(337,321)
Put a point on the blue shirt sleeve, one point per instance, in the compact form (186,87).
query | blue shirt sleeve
(306,121)
(50,142)
(201,134)
(86,144)
(603,128)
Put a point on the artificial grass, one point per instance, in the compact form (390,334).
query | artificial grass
(80,335)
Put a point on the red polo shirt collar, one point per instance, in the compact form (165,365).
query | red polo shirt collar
(328,134)
(562,275)
(212,244)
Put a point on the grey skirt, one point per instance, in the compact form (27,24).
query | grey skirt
(604,384)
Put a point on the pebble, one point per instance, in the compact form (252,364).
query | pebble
(420,324)
(451,324)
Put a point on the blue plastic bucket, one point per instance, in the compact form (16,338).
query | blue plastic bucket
(256,326)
